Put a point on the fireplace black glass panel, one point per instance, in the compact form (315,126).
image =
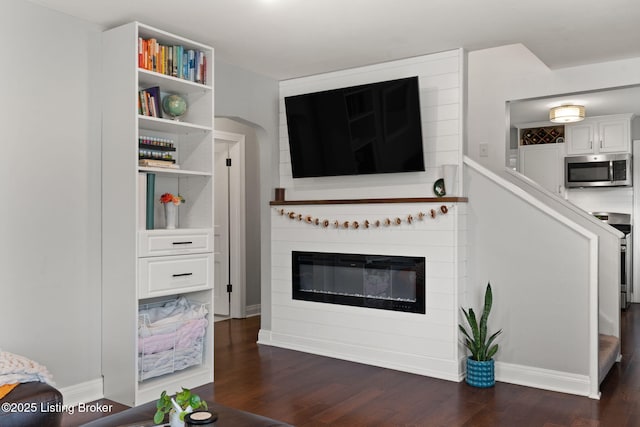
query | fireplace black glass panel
(374,281)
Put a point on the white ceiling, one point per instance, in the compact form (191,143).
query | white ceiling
(596,103)
(292,38)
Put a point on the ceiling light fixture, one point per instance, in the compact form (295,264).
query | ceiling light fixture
(566,114)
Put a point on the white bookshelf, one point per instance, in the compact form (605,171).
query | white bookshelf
(137,262)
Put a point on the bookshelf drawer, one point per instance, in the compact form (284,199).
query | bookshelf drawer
(160,276)
(179,242)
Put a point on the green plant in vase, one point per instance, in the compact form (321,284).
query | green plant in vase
(480,365)
(182,403)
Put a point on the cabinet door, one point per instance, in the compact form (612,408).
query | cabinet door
(614,136)
(579,138)
(543,164)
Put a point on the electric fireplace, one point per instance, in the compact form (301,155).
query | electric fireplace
(373,281)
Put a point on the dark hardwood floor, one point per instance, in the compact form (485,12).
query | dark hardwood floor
(307,390)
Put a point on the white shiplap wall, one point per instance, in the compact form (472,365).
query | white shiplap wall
(441,97)
(421,343)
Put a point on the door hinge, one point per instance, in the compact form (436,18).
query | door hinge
(229,288)
(228,162)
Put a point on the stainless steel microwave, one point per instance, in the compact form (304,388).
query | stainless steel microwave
(602,170)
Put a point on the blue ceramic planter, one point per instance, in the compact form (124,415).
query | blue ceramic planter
(480,374)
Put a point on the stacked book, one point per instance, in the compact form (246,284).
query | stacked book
(156,163)
(176,61)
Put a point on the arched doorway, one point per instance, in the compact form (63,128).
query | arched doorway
(237,220)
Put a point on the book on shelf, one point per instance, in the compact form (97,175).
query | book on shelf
(203,68)
(172,60)
(191,57)
(142,201)
(154,163)
(150,200)
(155,155)
(176,71)
(149,102)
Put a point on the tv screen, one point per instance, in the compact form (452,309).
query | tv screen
(367,129)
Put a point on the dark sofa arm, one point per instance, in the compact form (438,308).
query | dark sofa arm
(31,404)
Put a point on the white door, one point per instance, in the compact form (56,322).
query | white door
(221,230)
(229,230)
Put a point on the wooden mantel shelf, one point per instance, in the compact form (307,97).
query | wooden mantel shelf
(371,201)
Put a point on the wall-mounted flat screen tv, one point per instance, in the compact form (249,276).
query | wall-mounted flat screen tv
(367,129)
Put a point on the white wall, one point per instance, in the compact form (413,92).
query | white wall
(50,174)
(499,75)
(253,100)
(50,182)
(539,269)
(608,249)
(619,199)
(512,72)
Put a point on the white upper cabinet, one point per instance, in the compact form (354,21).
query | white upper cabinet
(579,138)
(615,135)
(605,134)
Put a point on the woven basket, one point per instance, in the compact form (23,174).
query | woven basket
(480,374)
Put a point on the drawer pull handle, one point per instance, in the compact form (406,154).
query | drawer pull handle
(183,274)
(181,243)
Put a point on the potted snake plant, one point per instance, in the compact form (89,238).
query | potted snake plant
(480,364)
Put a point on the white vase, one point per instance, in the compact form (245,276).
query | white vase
(174,419)
(170,215)
(450,177)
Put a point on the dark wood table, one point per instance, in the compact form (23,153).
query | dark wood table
(143,416)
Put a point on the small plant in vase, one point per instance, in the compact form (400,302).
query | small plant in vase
(480,365)
(177,407)
(170,203)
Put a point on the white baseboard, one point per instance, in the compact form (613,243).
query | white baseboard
(546,379)
(264,337)
(252,310)
(420,365)
(82,393)
(528,376)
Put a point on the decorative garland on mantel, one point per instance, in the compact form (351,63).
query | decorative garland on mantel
(386,222)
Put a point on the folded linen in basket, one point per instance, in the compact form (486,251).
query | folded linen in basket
(166,362)
(183,337)
(172,311)
(19,369)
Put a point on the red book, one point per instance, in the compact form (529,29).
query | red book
(146,55)
(147,98)
(201,68)
(204,69)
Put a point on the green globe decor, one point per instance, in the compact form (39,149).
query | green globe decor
(175,106)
